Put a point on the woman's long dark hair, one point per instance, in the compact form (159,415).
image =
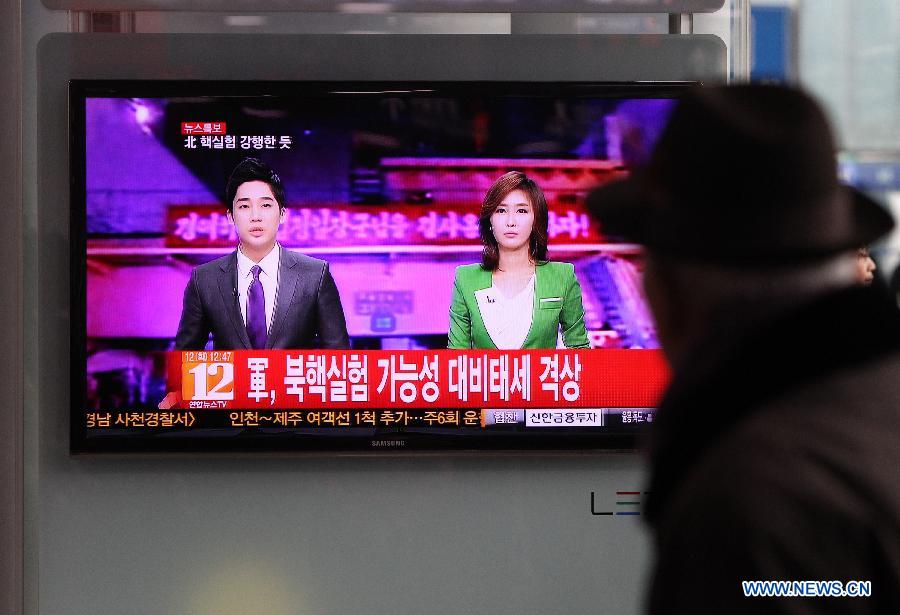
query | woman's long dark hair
(537,243)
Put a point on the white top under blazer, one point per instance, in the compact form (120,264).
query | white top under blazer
(507,319)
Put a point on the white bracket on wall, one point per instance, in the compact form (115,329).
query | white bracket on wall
(681,23)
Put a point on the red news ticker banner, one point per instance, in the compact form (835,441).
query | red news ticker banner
(284,379)
(207,226)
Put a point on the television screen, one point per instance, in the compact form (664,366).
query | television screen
(319,266)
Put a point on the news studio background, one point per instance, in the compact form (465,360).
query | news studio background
(386,188)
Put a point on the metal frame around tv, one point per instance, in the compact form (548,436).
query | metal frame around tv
(339,441)
(65,57)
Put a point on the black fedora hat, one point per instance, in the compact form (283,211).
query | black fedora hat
(741,173)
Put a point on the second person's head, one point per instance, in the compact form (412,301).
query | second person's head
(513,217)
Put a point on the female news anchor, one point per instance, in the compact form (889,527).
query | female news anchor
(515,298)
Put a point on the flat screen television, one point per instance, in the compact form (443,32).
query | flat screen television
(379,240)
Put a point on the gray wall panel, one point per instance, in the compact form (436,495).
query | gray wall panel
(11,317)
(539,57)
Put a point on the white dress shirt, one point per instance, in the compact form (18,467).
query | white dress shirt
(268,276)
(507,319)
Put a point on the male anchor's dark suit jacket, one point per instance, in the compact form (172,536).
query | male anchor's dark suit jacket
(308,312)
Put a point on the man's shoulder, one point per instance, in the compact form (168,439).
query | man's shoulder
(803,482)
(305,262)
(786,496)
(826,450)
(214,266)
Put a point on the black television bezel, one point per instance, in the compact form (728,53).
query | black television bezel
(405,442)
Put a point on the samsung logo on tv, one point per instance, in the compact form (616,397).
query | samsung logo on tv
(388,443)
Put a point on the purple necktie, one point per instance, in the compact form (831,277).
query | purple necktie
(256,311)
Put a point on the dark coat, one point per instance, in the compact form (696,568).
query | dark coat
(776,456)
(308,312)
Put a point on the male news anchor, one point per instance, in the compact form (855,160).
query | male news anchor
(261,295)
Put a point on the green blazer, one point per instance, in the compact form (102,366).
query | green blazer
(557,303)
